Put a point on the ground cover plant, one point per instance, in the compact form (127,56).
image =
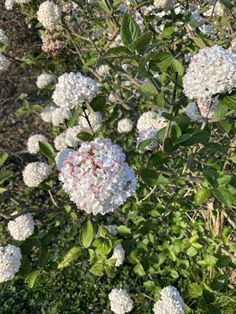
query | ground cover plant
(118,184)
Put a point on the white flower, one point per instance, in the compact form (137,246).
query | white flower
(125,126)
(59,115)
(95,120)
(149,134)
(49,15)
(165,5)
(60,141)
(218,9)
(73,89)
(4,63)
(121,302)
(9,4)
(61,157)
(21,227)
(35,173)
(10,257)
(44,80)
(119,255)
(33,143)
(71,138)
(103,70)
(3,37)
(46,113)
(170,303)
(151,119)
(212,71)
(97,178)
(22,1)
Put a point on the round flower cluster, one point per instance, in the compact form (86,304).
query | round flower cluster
(33,143)
(44,80)
(46,113)
(3,37)
(212,71)
(59,115)
(73,89)
(35,173)
(170,303)
(118,255)
(49,15)
(68,138)
(95,120)
(125,126)
(21,227)
(10,257)
(151,119)
(49,44)
(97,178)
(121,302)
(103,70)
(4,63)
(165,5)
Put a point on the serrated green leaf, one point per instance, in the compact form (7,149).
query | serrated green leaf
(70,256)
(86,234)
(31,278)
(130,30)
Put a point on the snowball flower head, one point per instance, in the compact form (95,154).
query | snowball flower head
(118,255)
(21,227)
(44,80)
(95,120)
(10,257)
(3,37)
(46,113)
(49,15)
(121,302)
(4,63)
(35,173)
(151,119)
(73,89)
(212,71)
(165,5)
(125,126)
(59,115)
(33,143)
(97,178)
(170,303)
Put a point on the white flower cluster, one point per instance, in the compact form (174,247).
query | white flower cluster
(103,70)
(120,301)
(9,4)
(125,126)
(46,114)
(97,178)
(68,138)
(165,5)
(10,257)
(95,120)
(44,80)
(49,15)
(59,115)
(3,37)
(33,143)
(118,255)
(148,125)
(35,173)
(21,227)
(212,71)
(73,89)
(170,303)
(4,63)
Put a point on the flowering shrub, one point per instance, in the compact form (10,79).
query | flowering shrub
(126,196)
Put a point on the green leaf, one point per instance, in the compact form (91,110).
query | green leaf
(103,246)
(144,144)
(70,256)
(224,195)
(31,278)
(97,269)
(161,61)
(3,157)
(148,89)
(75,116)
(85,136)
(141,43)
(118,52)
(177,67)
(130,30)
(149,176)
(191,251)
(86,234)
(194,290)
(5,175)
(199,42)
(202,195)
(228,100)
(104,7)
(138,269)
(123,229)
(47,150)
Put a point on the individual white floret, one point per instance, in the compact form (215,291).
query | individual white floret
(73,89)
(10,262)
(46,114)
(3,37)
(118,255)
(33,143)
(95,120)
(4,63)
(49,15)
(120,301)
(125,126)
(21,227)
(44,80)
(59,115)
(35,173)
